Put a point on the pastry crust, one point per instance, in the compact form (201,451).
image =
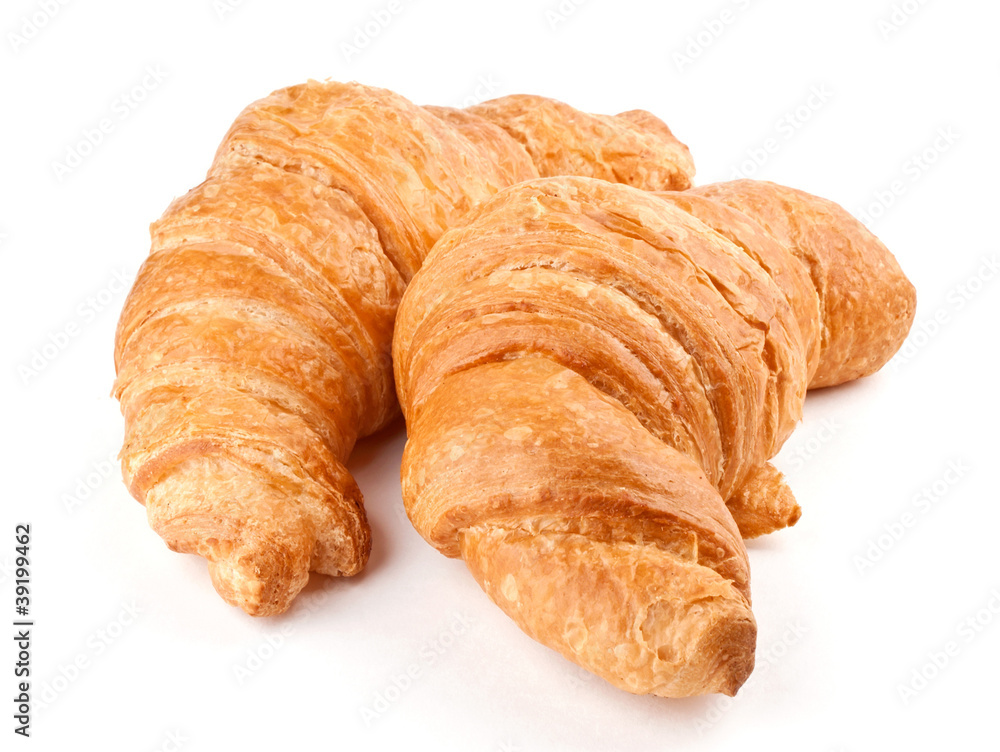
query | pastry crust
(251,353)
(254,348)
(598,539)
(866,303)
(635,148)
(594,378)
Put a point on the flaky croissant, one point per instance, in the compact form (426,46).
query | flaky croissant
(254,348)
(590,373)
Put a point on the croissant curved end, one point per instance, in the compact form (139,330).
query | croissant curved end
(260,545)
(640,617)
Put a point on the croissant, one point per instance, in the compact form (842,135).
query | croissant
(593,379)
(254,348)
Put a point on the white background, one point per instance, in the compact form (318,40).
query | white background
(837,638)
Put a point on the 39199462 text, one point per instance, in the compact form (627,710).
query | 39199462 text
(22,631)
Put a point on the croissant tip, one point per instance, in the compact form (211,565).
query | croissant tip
(255,587)
(740,639)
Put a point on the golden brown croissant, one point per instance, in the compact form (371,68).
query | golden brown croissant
(589,372)
(254,348)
